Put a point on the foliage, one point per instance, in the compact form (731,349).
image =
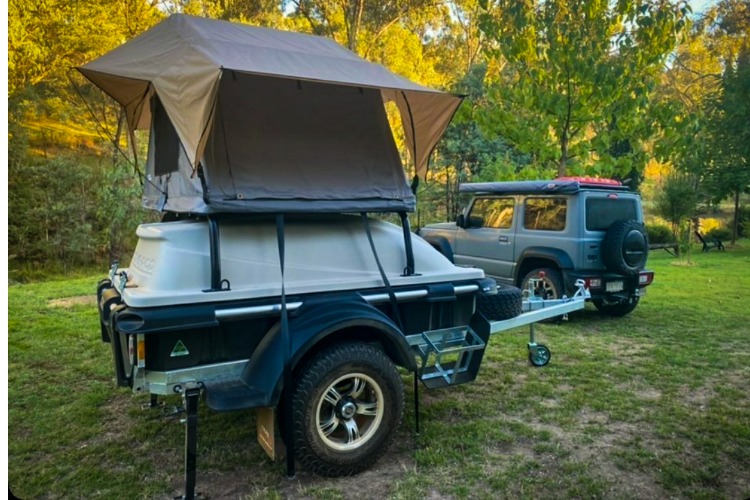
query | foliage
(744,222)
(579,78)
(659,233)
(677,201)
(48,37)
(70,212)
(468,153)
(706,88)
(719,233)
(729,171)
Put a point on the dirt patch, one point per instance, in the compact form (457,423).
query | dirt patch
(697,397)
(253,482)
(596,453)
(68,302)
(379,479)
(625,348)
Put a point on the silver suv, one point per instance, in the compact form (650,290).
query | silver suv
(560,231)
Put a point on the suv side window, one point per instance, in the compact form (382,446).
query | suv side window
(545,214)
(495,212)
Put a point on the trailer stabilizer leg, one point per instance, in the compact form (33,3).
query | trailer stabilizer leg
(190,397)
(416,402)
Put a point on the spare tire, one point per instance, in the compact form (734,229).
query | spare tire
(506,304)
(625,247)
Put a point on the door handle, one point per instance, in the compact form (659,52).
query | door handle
(503,239)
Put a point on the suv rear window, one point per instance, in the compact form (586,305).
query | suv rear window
(603,212)
(545,214)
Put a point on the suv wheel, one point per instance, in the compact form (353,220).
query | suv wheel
(551,286)
(625,247)
(616,309)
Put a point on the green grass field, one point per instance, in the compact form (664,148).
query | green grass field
(653,405)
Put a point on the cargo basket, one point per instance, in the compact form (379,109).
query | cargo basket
(446,356)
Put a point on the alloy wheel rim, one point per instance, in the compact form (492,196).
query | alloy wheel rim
(349,412)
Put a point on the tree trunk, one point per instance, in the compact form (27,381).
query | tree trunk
(562,165)
(736,223)
(354,15)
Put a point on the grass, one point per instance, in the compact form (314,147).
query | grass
(656,404)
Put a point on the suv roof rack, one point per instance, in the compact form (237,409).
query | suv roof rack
(561,185)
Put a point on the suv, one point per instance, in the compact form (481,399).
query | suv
(560,231)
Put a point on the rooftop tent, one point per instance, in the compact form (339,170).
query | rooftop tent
(276,121)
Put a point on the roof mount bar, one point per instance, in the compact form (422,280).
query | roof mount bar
(409,269)
(217,284)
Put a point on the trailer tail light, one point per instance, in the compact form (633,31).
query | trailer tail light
(137,350)
(645,278)
(141,351)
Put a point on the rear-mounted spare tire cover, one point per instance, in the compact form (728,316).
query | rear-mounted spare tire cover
(625,247)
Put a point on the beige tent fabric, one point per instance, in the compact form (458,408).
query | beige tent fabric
(182,60)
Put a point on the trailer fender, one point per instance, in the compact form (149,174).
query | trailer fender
(440,244)
(321,322)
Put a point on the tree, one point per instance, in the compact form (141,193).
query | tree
(351,22)
(729,171)
(466,153)
(706,89)
(575,67)
(46,38)
(676,202)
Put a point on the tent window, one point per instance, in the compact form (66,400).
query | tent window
(166,143)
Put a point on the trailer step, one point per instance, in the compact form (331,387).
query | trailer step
(233,394)
(447,356)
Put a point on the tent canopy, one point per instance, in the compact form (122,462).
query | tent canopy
(275,120)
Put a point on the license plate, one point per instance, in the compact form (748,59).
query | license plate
(615,286)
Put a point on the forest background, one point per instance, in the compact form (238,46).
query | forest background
(630,89)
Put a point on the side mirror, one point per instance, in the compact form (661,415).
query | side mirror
(461,220)
(476,222)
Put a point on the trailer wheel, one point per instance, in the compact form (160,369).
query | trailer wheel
(506,304)
(347,406)
(539,355)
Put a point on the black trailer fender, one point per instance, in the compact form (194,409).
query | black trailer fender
(321,322)
(440,244)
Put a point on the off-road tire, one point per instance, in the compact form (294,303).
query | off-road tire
(615,309)
(336,453)
(506,304)
(624,249)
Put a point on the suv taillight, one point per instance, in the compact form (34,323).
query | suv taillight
(645,278)
(592,282)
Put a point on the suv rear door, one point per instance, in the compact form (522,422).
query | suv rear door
(488,240)
(602,209)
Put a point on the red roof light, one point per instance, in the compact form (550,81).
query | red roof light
(591,180)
